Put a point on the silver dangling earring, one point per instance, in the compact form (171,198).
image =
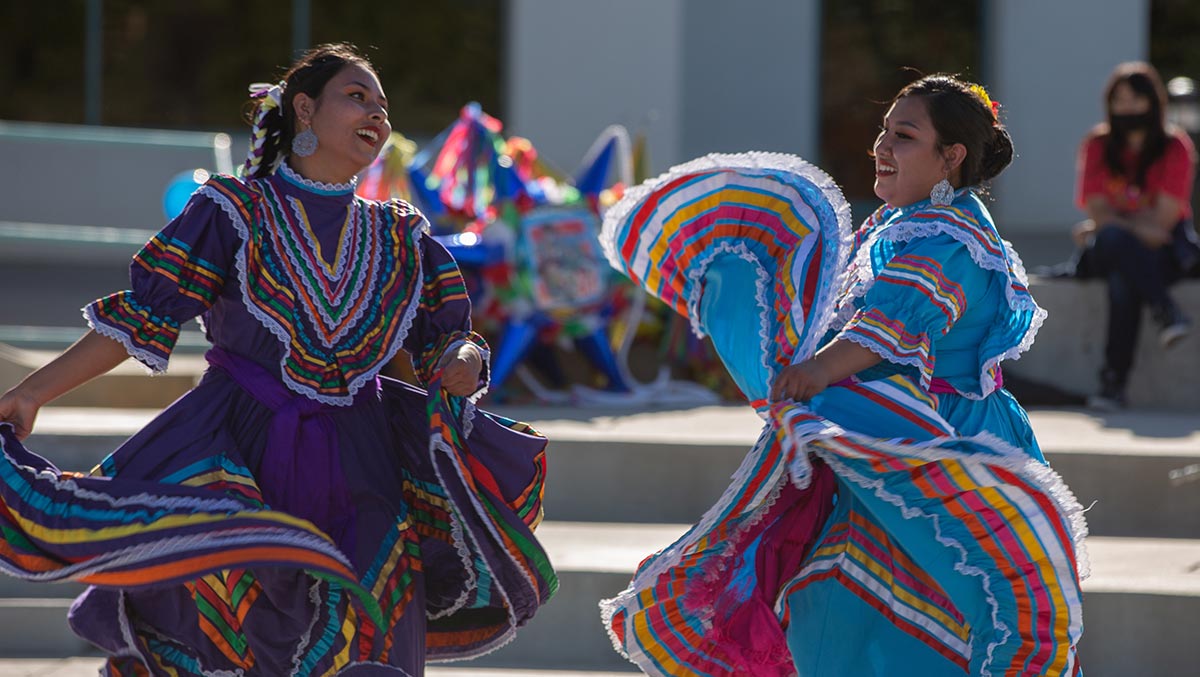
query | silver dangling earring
(304,143)
(942,193)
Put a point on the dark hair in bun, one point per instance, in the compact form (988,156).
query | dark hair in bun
(963,113)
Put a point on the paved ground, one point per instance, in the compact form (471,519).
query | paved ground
(89,667)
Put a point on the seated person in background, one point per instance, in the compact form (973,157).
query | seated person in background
(1134,183)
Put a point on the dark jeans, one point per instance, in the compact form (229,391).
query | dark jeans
(1137,276)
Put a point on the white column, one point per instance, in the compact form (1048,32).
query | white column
(1047,63)
(751,76)
(576,66)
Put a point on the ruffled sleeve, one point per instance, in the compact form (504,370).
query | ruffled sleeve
(443,320)
(175,277)
(915,298)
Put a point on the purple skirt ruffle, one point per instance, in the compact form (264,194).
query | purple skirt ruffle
(191,571)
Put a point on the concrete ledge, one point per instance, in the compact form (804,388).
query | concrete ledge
(38,627)
(127,386)
(670,466)
(15,588)
(57,244)
(1069,350)
(1139,634)
(116,176)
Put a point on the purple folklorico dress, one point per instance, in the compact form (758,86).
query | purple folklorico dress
(294,513)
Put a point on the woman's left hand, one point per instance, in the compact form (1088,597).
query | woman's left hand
(800,382)
(460,372)
(1151,234)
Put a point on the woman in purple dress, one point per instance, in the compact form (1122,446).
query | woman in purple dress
(295,513)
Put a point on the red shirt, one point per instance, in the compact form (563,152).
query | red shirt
(1171,174)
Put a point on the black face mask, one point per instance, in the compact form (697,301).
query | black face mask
(1123,124)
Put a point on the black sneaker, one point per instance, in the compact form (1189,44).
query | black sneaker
(1111,396)
(1106,401)
(1059,271)
(1175,327)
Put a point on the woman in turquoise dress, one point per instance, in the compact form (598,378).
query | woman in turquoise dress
(896,517)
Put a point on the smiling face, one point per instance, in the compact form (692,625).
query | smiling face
(350,119)
(907,160)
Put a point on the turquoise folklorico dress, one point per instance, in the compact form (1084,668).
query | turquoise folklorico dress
(903,521)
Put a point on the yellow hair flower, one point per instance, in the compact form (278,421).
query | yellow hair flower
(981,94)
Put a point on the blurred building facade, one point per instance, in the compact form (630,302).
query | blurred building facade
(810,77)
(699,76)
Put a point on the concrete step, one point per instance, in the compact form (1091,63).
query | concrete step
(117,175)
(15,588)
(57,338)
(1069,350)
(670,466)
(1140,605)
(1120,464)
(37,626)
(128,385)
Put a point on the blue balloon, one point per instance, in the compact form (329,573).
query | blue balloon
(180,189)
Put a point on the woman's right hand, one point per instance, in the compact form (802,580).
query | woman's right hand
(800,382)
(20,410)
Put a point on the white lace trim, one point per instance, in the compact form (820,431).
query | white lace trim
(1009,457)
(217,504)
(1003,632)
(464,555)
(1009,265)
(131,554)
(131,647)
(283,335)
(627,600)
(154,365)
(761,290)
(167,547)
(883,352)
(832,265)
(314,596)
(797,440)
(436,445)
(1001,629)
(316,186)
(363,285)
(673,554)
(619,213)
(752,160)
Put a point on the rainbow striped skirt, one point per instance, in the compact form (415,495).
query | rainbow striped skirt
(862,534)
